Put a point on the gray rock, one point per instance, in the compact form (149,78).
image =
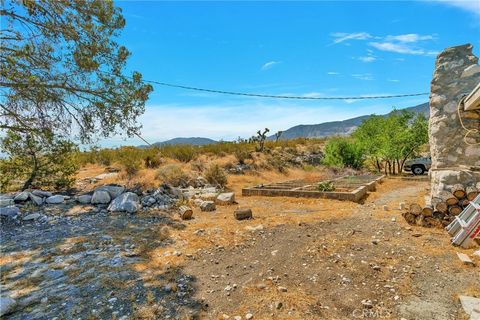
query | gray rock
(113,191)
(41,193)
(149,200)
(100,197)
(226,198)
(56,199)
(125,202)
(22,196)
(31,216)
(5,202)
(84,199)
(207,206)
(7,305)
(36,199)
(242,214)
(10,211)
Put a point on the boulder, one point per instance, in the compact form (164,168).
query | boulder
(150,201)
(207,206)
(226,198)
(5,202)
(56,199)
(242,214)
(127,201)
(22,196)
(32,216)
(10,211)
(113,191)
(7,305)
(41,193)
(100,197)
(36,199)
(84,199)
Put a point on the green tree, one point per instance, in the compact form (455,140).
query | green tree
(61,70)
(388,141)
(343,152)
(34,161)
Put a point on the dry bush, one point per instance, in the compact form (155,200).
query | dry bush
(276,162)
(216,176)
(173,175)
(198,165)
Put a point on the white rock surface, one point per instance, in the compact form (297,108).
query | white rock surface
(113,191)
(22,196)
(226,198)
(36,199)
(7,305)
(84,199)
(127,201)
(41,193)
(56,199)
(101,197)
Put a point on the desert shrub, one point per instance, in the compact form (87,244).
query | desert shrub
(152,162)
(173,174)
(129,160)
(277,163)
(342,152)
(183,153)
(216,176)
(326,186)
(198,165)
(242,154)
(43,161)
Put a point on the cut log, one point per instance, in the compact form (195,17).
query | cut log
(410,218)
(458,190)
(241,214)
(415,209)
(472,192)
(455,210)
(449,198)
(185,212)
(420,221)
(427,211)
(439,205)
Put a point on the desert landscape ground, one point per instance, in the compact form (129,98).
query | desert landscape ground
(296,259)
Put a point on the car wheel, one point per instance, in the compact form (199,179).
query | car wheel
(418,170)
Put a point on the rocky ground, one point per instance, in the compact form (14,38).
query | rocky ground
(297,259)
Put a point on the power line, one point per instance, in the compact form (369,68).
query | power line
(260,95)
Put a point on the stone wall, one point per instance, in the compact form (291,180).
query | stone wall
(453,160)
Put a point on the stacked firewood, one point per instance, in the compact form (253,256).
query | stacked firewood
(444,208)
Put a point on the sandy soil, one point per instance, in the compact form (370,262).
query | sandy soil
(297,259)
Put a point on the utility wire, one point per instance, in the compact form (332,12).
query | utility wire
(260,95)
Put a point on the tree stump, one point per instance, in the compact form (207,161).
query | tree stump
(427,211)
(415,209)
(185,212)
(242,214)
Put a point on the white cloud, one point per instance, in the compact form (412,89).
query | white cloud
(409,38)
(369,58)
(333,73)
(393,80)
(472,6)
(397,47)
(363,76)
(341,36)
(269,65)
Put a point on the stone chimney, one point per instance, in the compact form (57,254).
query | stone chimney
(455,159)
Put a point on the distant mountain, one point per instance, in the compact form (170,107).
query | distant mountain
(337,127)
(194,141)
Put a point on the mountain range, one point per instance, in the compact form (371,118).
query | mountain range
(304,130)
(338,127)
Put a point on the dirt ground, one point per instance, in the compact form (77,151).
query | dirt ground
(297,259)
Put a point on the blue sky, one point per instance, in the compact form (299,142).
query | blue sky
(280,48)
